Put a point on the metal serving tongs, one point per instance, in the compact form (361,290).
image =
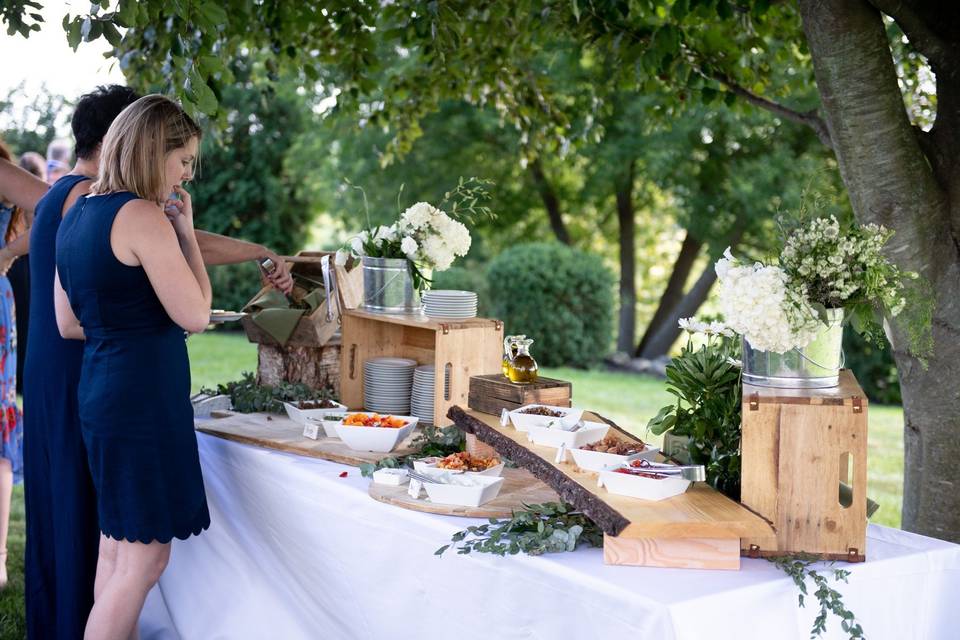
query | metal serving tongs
(692,472)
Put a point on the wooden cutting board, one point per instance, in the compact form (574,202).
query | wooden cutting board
(519,488)
(272,431)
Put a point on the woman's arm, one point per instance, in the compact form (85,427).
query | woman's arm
(20,187)
(171,258)
(67,321)
(217,249)
(9,253)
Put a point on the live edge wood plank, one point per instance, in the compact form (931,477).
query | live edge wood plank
(701,512)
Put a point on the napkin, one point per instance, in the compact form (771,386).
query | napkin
(271,312)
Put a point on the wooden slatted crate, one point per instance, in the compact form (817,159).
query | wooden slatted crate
(464,348)
(798,446)
(493,393)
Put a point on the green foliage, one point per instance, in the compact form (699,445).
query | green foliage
(872,363)
(244,188)
(830,600)
(35,126)
(432,441)
(706,382)
(561,297)
(249,397)
(552,527)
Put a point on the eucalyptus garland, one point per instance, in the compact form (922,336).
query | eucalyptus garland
(552,527)
(432,441)
(797,566)
(247,396)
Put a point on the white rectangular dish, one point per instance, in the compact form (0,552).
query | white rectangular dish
(555,436)
(376,439)
(429,467)
(654,489)
(466,491)
(598,460)
(300,416)
(523,421)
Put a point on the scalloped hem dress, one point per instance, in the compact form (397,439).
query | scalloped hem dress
(134,394)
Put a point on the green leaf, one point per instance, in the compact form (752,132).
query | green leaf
(74,34)
(112,34)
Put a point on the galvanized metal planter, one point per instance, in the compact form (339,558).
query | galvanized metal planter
(388,286)
(815,366)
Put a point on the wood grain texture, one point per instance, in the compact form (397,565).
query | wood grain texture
(794,458)
(493,393)
(519,488)
(282,434)
(313,366)
(681,553)
(843,394)
(701,512)
(465,348)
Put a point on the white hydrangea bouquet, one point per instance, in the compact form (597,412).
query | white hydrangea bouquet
(424,234)
(823,267)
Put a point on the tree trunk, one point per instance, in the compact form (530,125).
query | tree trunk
(890,182)
(661,341)
(550,201)
(673,293)
(628,262)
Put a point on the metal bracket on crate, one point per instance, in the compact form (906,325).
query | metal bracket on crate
(754,402)
(853,554)
(753,551)
(444,328)
(497,325)
(857,404)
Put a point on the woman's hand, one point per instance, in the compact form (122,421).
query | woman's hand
(179,211)
(6,260)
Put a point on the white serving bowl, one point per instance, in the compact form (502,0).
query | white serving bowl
(482,489)
(597,460)
(329,425)
(554,437)
(300,416)
(640,487)
(429,467)
(523,421)
(376,439)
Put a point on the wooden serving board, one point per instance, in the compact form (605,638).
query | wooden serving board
(272,431)
(519,488)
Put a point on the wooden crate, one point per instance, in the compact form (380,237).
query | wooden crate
(493,393)
(465,348)
(700,529)
(313,329)
(797,446)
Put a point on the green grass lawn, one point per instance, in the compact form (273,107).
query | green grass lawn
(626,399)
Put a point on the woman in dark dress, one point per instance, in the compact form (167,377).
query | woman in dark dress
(129,282)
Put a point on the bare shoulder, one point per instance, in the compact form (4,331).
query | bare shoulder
(142,217)
(82,188)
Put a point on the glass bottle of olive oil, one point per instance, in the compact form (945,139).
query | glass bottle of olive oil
(524,368)
(510,352)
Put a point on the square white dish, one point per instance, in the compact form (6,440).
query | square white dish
(429,467)
(523,421)
(598,460)
(328,424)
(555,436)
(376,439)
(300,416)
(482,489)
(653,489)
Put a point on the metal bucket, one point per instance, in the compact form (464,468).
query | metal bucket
(815,366)
(388,286)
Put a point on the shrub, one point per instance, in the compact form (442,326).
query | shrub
(874,367)
(559,296)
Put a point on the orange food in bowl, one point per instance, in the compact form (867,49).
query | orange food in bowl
(373,420)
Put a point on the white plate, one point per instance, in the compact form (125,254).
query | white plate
(591,432)
(300,415)
(377,439)
(642,488)
(449,293)
(523,421)
(598,460)
(392,362)
(482,490)
(225,316)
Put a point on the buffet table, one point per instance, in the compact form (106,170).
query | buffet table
(297,551)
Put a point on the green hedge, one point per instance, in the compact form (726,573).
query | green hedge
(561,297)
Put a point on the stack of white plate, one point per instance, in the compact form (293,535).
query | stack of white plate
(387,384)
(450,304)
(421,402)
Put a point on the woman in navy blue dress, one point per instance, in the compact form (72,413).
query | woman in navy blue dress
(129,282)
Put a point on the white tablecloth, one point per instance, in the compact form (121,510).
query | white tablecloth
(295,551)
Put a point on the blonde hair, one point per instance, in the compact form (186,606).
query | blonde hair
(136,145)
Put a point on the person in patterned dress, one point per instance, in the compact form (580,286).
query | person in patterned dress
(11,425)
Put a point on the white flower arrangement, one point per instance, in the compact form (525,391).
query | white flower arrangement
(822,267)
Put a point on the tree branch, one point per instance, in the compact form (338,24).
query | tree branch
(936,49)
(807,118)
